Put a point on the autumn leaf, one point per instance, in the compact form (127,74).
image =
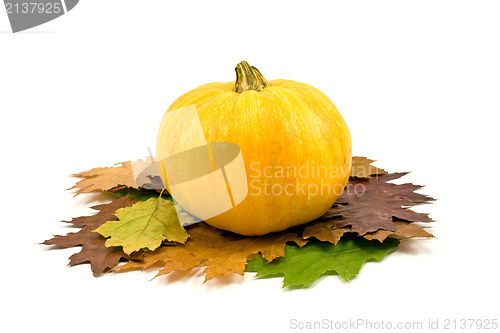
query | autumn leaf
(371,207)
(146,224)
(329,231)
(367,205)
(105,212)
(93,249)
(220,253)
(403,230)
(104,179)
(405,191)
(362,167)
(332,226)
(302,266)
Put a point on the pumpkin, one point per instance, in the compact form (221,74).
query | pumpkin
(295,145)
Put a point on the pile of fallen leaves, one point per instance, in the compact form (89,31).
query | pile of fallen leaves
(140,230)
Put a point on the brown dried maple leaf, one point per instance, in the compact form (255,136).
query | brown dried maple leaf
(93,249)
(403,191)
(220,254)
(404,229)
(367,205)
(329,231)
(362,167)
(326,231)
(105,179)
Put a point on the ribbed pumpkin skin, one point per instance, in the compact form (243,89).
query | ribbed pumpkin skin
(284,126)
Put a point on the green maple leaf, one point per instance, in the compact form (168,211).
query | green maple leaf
(146,224)
(303,265)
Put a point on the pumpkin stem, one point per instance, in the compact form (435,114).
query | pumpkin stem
(248,78)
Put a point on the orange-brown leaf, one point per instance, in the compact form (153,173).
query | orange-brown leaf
(104,179)
(328,231)
(220,254)
(403,230)
(325,231)
(362,168)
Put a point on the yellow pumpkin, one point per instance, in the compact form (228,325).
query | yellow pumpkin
(295,145)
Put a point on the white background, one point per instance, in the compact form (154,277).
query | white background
(417,82)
